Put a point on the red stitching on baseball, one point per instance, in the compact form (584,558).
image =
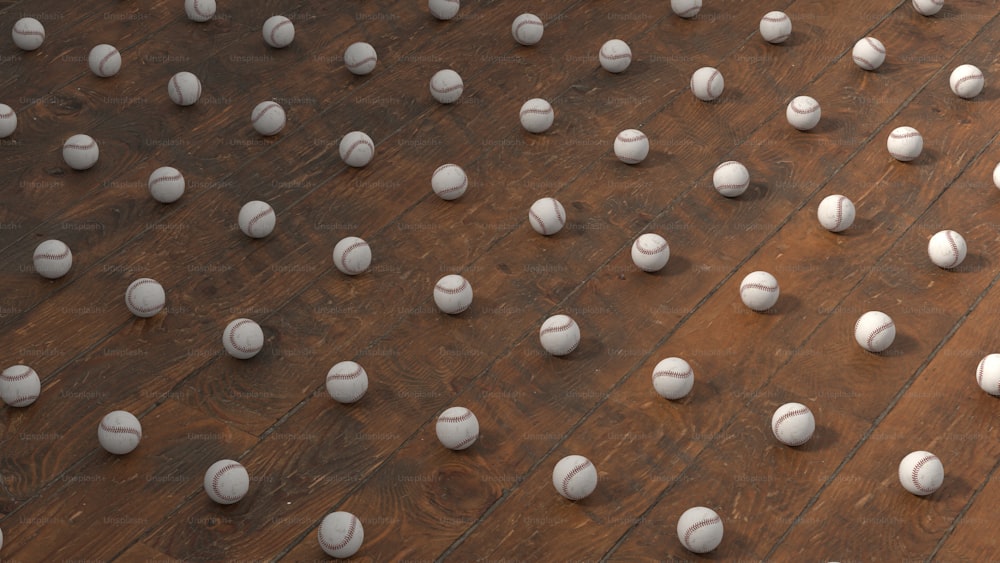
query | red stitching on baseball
(730,187)
(616,57)
(363,62)
(532,110)
(21,400)
(458,86)
(345,541)
(759,286)
(866,63)
(904,135)
(133,305)
(263,111)
(259,216)
(7,115)
(462,186)
(121,430)
(808,110)
(81,147)
(954,248)
(218,475)
(570,475)
(27,373)
(569,324)
(347,155)
(452,291)
(555,207)
(840,211)
(274,29)
(539,220)
(30,32)
(159,179)
(465,442)
(708,86)
(914,475)
(639,137)
(232,337)
(524,23)
(970,77)
(874,45)
(775,19)
(54,256)
(343,256)
(697,526)
(878,331)
(789,414)
(650,252)
(198,11)
(465,416)
(100,66)
(345,376)
(674,374)
(979,372)
(177,83)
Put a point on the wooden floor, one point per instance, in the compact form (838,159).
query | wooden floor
(837,498)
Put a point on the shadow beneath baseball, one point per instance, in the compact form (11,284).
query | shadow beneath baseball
(755,192)
(786,304)
(973,264)
(676,266)
(987,95)
(901,344)
(823,438)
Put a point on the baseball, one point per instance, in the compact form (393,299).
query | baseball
(868,53)
(357,149)
(449,181)
(104,60)
(803,113)
(835,213)
(928,7)
(686,8)
(673,378)
(547,216)
(699,529)
(966,81)
(921,473)
(559,335)
(184,88)
(874,331)
(575,477)
(731,178)
(243,338)
(457,428)
(341,534)
(775,27)
(119,432)
(256,219)
(227,482)
(8,121)
(759,291)
(80,152)
(650,252)
(347,382)
(166,184)
(947,249)
(537,115)
(145,297)
(28,34)
(443,9)
(793,424)
(199,10)
(452,294)
(615,56)
(352,255)
(996,176)
(988,374)
(707,84)
(268,118)
(360,58)
(279,32)
(905,143)
(446,86)
(19,386)
(631,146)
(527,29)
(53,259)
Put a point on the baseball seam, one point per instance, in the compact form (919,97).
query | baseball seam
(133,305)
(197,10)
(954,249)
(615,57)
(121,430)
(446,89)
(863,62)
(218,475)
(840,212)
(874,45)
(906,135)
(81,147)
(53,256)
(538,111)
(517,30)
(464,443)
(539,221)
(693,11)
(674,374)
(345,376)
(263,111)
(960,81)
(350,150)
(569,477)
(343,256)
(159,179)
(915,474)
(177,83)
(697,526)
(27,373)
(362,62)
(236,345)
(708,85)
(347,537)
(29,32)
(100,66)
(569,324)
(803,111)
(979,372)
(778,19)
(452,290)
(253,220)
(462,186)
(786,416)
(274,40)
(650,251)
(878,331)
(21,400)
(759,286)
(639,137)
(463,417)
(7,115)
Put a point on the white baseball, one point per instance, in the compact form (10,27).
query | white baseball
(537,115)
(547,216)
(347,382)
(28,34)
(921,473)
(19,386)
(184,88)
(166,184)
(278,31)
(341,534)
(256,219)
(928,7)
(145,297)
(575,477)
(700,529)
(457,428)
(988,374)
(775,27)
(8,121)
(905,143)
(686,8)
(793,424)
(874,331)
(352,255)
(80,152)
(527,29)
(357,149)
(673,378)
(868,53)
(707,84)
(199,10)
(443,9)
(453,294)
(835,213)
(227,481)
(966,81)
(119,432)
(449,181)
(360,58)
(243,339)
(731,178)
(104,60)
(52,259)
(615,56)
(268,118)
(803,113)
(996,176)
(631,146)
(650,252)
(759,291)
(446,86)
(947,249)
(559,335)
